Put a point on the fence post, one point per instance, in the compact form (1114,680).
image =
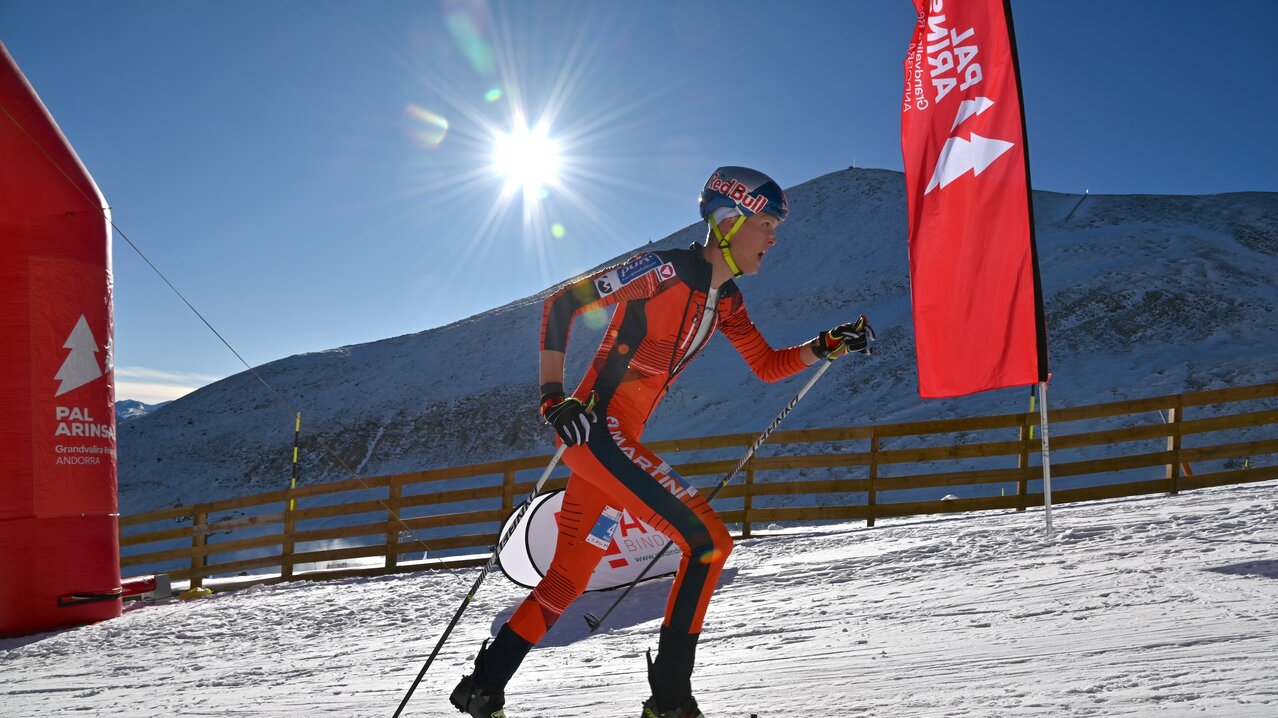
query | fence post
(199,559)
(872,497)
(290,528)
(507,491)
(393,523)
(1173,446)
(1022,462)
(748,502)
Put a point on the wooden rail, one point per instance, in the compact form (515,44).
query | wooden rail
(1101,451)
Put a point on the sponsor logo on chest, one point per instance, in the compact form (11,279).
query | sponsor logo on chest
(632,270)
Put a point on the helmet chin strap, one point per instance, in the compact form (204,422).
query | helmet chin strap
(725,239)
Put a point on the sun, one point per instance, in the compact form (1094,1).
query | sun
(528,158)
(527,143)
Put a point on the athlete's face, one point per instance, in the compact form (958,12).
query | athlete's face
(753,240)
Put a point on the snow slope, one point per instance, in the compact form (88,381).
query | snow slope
(1145,295)
(1157,606)
(128,410)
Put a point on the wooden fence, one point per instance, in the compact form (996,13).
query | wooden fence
(1102,451)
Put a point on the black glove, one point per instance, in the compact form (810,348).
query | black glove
(571,417)
(845,338)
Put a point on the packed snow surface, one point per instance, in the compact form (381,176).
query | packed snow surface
(1156,606)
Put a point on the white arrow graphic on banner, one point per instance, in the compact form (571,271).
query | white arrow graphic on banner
(971,108)
(960,156)
(81,366)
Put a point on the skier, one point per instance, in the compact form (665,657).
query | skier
(668,305)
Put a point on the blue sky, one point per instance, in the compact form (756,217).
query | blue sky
(286,163)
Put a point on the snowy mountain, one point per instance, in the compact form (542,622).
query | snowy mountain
(1145,295)
(1150,607)
(130,409)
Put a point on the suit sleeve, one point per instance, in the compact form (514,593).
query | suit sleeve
(767,363)
(636,278)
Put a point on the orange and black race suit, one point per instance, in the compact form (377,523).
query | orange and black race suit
(666,311)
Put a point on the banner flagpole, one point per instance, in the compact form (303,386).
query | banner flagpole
(1040,315)
(1047,455)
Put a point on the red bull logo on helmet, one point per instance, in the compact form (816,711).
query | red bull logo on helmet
(738,193)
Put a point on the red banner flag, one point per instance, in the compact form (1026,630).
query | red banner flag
(978,318)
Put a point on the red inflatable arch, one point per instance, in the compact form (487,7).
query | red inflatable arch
(59,550)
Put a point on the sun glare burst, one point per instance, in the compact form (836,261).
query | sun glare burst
(512,139)
(528,159)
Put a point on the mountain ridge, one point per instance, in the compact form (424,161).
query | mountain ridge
(1145,295)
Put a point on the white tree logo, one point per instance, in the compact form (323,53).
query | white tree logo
(81,365)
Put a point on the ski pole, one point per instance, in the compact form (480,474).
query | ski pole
(492,560)
(595,623)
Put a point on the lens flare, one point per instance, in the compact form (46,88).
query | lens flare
(467,21)
(425,127)
(595,319)
(494,95)
(557,231)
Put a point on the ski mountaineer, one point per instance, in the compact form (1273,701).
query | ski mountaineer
(668,304)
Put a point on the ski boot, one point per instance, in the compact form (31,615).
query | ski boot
(670,677)
(482,694)
(469,699)
(687,710)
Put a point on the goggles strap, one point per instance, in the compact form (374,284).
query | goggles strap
(724,243)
